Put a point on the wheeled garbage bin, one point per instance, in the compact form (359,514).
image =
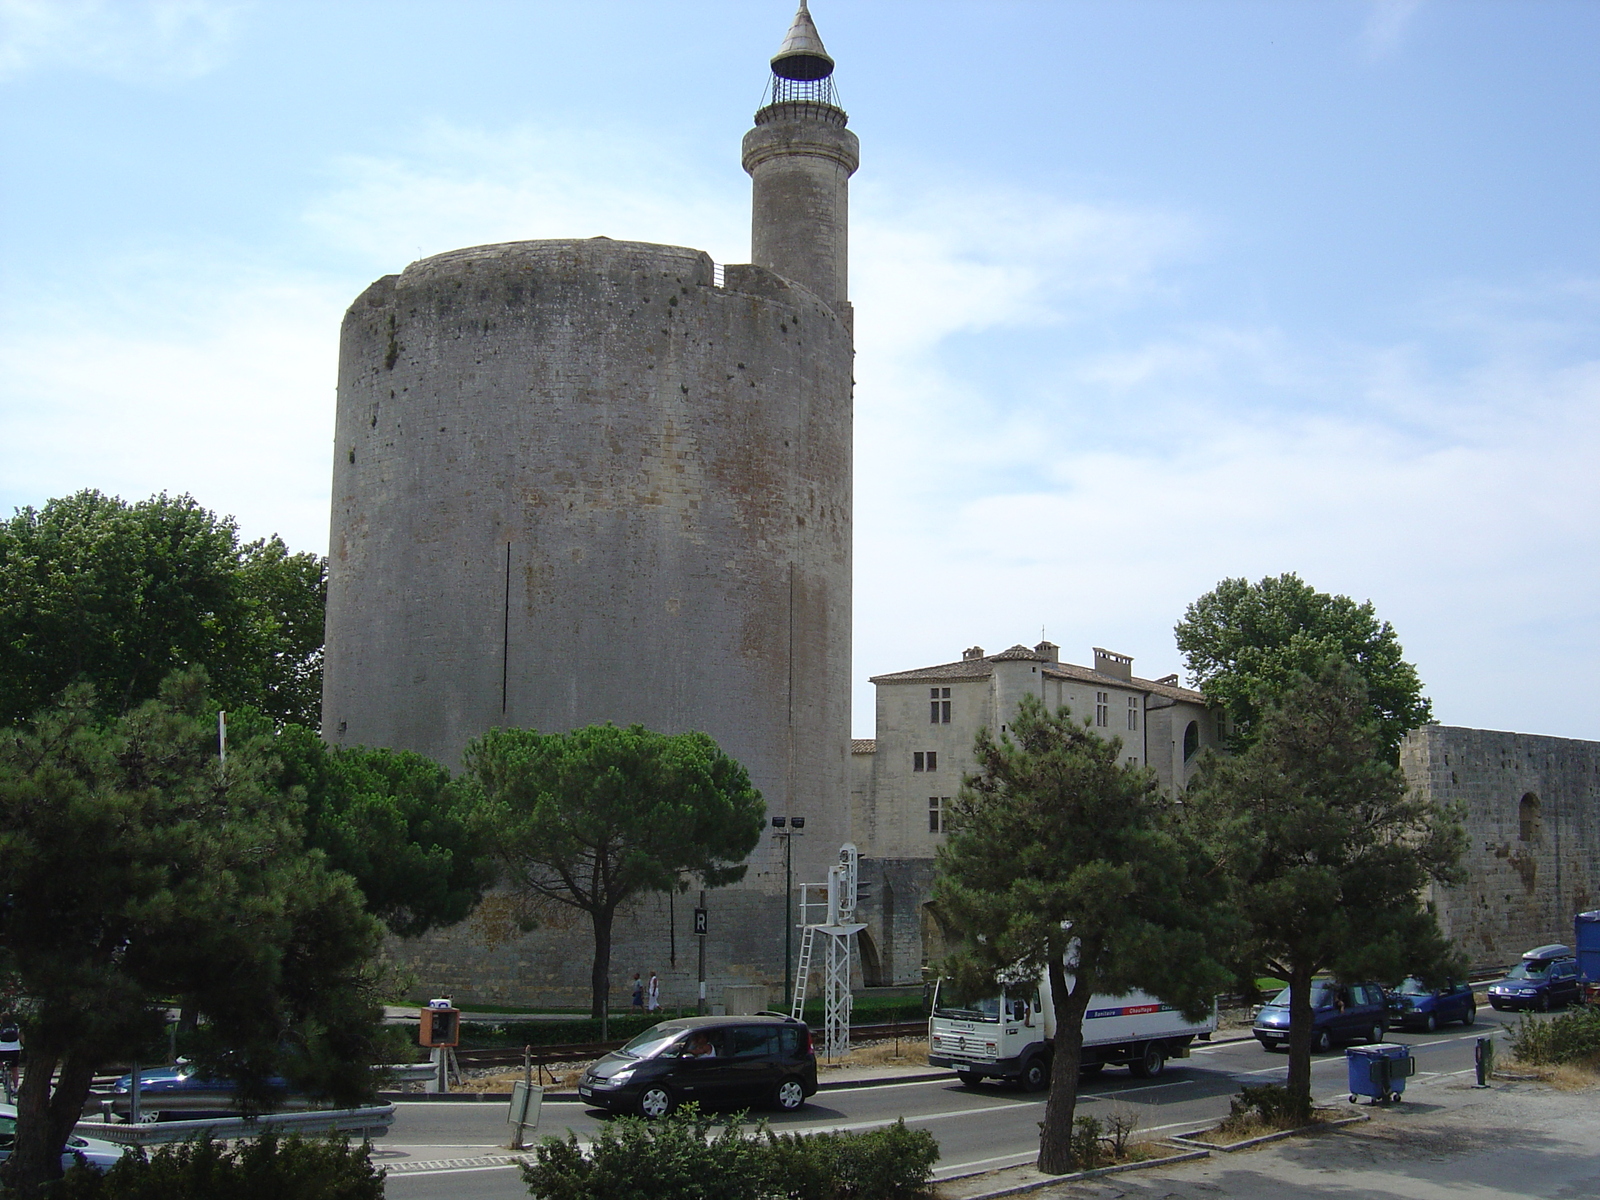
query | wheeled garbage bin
(1379,1071)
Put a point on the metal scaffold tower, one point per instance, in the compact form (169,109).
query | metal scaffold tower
(837,928)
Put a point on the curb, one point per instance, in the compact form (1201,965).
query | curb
(1034,1185)
(1190,1139)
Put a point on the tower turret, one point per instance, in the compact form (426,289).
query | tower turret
(800,157)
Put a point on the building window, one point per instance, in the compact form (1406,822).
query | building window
(939,706)
(925,760)
(1102,709)
(1133,712)
(1528,811)
(1191,740)
(937,806)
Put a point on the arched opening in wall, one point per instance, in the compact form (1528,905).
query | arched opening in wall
(871,962)
(938,940)
(1191,740)
(1528,818)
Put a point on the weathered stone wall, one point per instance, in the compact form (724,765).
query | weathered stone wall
(894,892)
(578,482)
(1531,809)
(551,965)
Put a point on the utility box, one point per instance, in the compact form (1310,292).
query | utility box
(440,1027)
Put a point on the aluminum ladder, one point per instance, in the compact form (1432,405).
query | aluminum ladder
(803,970)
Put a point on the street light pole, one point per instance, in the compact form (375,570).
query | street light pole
(795,824)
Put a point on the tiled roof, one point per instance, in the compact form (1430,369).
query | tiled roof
(982,668)
(863,745)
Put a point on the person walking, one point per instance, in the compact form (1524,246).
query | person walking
(10,1053)
(638,992)
(653,995)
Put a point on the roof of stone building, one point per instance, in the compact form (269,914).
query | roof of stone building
(863,745)
(983,667)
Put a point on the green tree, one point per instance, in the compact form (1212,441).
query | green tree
(1064,859)
(396,822)
(138,868)
(590,818)
(1245,643)
(1323,851)
(119,595)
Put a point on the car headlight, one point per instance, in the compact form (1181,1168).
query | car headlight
(621,1077)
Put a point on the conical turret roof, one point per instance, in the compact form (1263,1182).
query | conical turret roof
(802,56)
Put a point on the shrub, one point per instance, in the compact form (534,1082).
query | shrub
(678,1159)
(892,1163)
(268,1168)
(634,1159)
(1086,1137)
(1270,1105)
(1572,1037)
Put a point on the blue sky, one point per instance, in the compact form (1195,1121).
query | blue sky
(1148,294)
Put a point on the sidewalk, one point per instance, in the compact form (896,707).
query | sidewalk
(1448,1141)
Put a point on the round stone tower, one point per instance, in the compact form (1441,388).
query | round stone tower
(581,481)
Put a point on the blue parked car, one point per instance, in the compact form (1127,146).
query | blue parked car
(1413,1005)
(1546,978)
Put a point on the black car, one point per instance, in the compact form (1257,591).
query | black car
(718,1062)
(1546,978)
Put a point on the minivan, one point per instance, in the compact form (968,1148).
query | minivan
(717,1062)
(1340,1012)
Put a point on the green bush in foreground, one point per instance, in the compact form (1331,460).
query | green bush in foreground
(678,1159)
(1572,1037)
(269,1168)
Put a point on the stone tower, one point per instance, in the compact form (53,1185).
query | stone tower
(579,481)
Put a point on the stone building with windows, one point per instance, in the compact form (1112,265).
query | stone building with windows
(903,780)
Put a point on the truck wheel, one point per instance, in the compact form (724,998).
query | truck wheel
(1151,1062)
(969,1078)
(1035,1075)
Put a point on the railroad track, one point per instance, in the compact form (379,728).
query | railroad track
(511,1056)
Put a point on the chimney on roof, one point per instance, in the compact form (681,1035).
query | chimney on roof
(1048,652)
(1169,680)
(1108,663)
(971,652)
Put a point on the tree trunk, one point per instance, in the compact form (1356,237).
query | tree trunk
(600,974)
(1055,1133)
(45,1119)
(1300,1018)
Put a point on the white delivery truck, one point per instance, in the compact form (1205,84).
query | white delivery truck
(1012,1035)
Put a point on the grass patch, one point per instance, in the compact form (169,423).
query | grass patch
(1573,1037)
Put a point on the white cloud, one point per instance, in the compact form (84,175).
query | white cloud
(137,41)
(464,187)
(222,389)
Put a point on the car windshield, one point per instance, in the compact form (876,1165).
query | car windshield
(967,1008)
(1322,995)
(1534,969)
(1414,987)
(652,1041)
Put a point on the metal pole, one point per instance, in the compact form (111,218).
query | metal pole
(702,1008)
(788,921)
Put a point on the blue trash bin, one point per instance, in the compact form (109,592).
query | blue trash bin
(1380,1071)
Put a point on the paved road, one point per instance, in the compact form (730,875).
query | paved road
(432,1145)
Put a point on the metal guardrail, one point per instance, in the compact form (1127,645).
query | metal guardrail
(370,1121)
